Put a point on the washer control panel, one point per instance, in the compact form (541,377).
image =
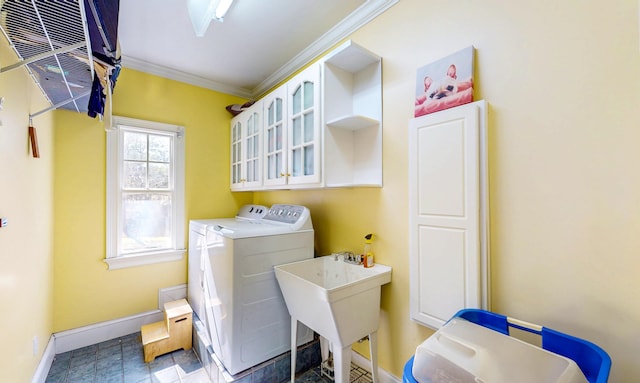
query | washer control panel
(287,213)
(252,212)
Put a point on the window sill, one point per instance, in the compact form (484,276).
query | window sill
(145,259)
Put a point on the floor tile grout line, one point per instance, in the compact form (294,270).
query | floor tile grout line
(360,375)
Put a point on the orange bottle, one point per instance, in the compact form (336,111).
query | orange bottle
(368,252)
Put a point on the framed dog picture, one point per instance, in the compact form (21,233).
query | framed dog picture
(445,83)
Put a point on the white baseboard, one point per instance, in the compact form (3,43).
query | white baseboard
(169,294)
(364,363)
(100,332)
(45,362)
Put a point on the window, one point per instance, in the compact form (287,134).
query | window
(145,193)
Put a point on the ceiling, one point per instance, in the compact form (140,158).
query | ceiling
(259,43)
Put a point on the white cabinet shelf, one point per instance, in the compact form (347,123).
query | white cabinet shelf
(352,101)
(352,122)
(351,57)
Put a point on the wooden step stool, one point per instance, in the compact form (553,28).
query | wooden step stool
(171,334)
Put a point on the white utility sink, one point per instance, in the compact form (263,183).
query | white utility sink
(338,300)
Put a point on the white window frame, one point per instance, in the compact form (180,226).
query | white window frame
(114,259)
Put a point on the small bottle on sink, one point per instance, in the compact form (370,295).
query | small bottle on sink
(368,252)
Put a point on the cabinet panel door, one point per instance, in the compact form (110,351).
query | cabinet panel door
(252,145)
(303,158)
(275,137)
(237,176)
(447,203)
(246,149)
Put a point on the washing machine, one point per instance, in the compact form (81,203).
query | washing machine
(232,286)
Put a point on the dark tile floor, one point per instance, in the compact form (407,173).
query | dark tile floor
(121,360)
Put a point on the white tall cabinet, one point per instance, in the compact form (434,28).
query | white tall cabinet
(322,128)
(448,213)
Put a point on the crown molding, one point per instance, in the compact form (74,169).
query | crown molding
(358,18)
(172,74)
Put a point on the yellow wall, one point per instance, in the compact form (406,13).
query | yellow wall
(26,257)
(85,291)
(563,83)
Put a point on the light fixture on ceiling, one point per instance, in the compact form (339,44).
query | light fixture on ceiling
(202,12)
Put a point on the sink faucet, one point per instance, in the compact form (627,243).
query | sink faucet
(348,256)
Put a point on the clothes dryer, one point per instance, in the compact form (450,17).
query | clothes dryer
(232,286)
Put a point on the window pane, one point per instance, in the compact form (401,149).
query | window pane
(147,222)
(308,160)
(297,100)
(250,171)
(308,94)
(159,176)
(270,140)
(270,113)
(238,152)
(256,121)
(279,137)
(256,168)
(297,162)
(308,127)
(159,148)
(256,148)
(270,167)
(249,147)
(278,109)
(135,146)
(278,165)
(296,131)
(135,175)
(236,177)
(233,153)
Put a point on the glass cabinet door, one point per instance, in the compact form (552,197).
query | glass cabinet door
(275,166)
(236,153)
(246,149)
(252,147)
(304,121)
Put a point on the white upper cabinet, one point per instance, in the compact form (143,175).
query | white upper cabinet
(352,95)
(246,149)
(322,128)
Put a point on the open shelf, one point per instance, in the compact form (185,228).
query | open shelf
(352,122)
(352,85)
(351,57)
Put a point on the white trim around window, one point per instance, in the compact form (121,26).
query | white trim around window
(116,258)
